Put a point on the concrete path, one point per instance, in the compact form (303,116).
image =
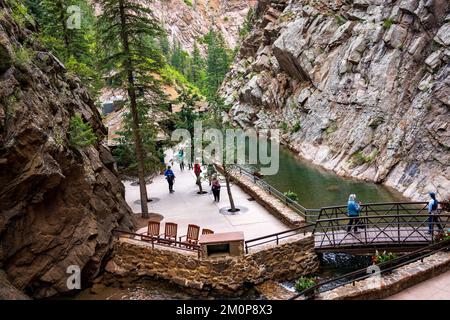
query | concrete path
(185,206)
(437,288)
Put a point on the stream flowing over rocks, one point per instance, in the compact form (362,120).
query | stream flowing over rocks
(59,204)
(360,87)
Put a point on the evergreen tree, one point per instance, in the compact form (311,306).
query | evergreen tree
(75,47)
(80,133)
(196,74)
(217,62)
(164,45)
(127,31)
(62,39)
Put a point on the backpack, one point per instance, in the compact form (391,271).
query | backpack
(435,205)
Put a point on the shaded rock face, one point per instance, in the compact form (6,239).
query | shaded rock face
(187,23)
(58,204)
(367,81)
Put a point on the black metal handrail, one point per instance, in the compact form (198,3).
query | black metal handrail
(388,229)
(387,266)
(294,205)
(278,236)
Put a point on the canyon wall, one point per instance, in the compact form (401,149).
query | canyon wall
(188,20)
(360,87)
(59,203)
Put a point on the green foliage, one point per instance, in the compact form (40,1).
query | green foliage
(358,158)
(248,24)
(80,133)
(129,36)
(125,153)
(217,63)
(291,195)
(443,236)
(296,128)
(22,56)
(20,13)
(304,283)
(340,20)
(171,76)
(383,257)
(164,45)
(188,2)
(284,127)
(76,48)
(332,127)
(387,23)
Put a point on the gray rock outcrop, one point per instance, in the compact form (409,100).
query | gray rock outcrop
(367,82)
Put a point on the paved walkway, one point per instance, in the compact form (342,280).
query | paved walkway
(185,206)
(437,288)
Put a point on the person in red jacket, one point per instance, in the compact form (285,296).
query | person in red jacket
(197,170)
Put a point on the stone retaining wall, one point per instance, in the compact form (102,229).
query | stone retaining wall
(274,205)
(398,280)
(230,276)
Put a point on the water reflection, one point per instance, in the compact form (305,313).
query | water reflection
(317,187)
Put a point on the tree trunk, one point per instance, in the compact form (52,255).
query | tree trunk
(63,21)
(134,112)
(230,195)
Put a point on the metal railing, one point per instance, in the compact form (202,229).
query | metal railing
(157,241)
(309,214)
(276,237)
(361,274)
(385,224)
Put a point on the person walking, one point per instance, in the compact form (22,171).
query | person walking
(181,159)
(433,219)
(353,209)
(215,187)
(210,172)
(170,177)
(197,171)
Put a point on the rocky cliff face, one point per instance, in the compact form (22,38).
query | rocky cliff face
(188,20)
(58,203)
(360,87)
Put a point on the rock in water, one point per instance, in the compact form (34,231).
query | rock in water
(367,84)
(59,204)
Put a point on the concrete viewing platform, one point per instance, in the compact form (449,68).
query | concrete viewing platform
(185,206)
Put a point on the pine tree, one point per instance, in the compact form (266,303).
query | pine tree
(197,66)
(217,62)
(127,31)
(164,45)
(73,46)
(65,41)
(80,133)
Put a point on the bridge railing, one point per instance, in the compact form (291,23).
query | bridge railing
(392,224)
(276,237)
(365,273)
(310,215)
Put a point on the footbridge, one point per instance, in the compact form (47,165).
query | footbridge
(393,226)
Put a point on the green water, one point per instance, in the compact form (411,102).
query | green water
(318,187)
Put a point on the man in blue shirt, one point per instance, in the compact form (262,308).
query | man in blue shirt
(170,177)
(353,209)
(433,219)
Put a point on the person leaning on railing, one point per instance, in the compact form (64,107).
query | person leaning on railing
(353,209)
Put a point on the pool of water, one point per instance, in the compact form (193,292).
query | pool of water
(317,187)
